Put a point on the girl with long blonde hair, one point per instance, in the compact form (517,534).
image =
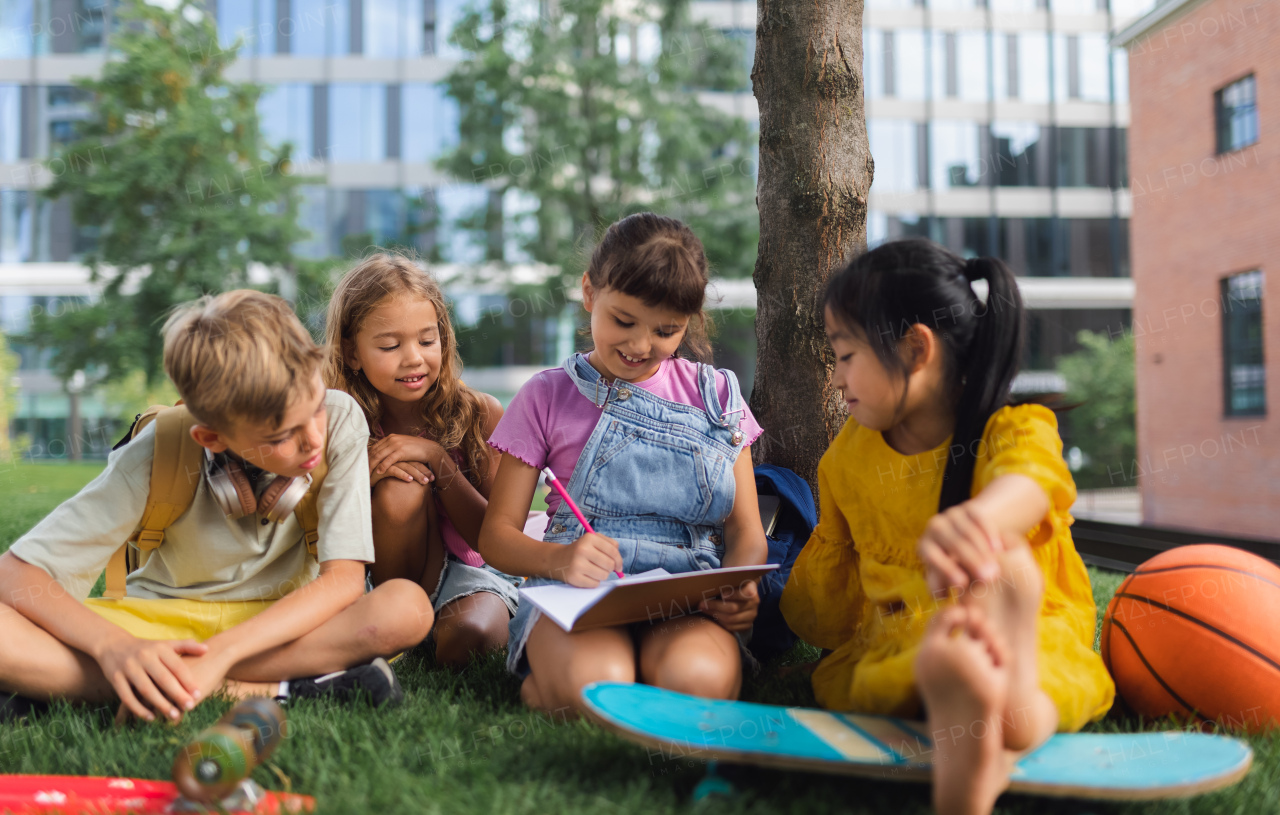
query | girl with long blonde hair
(389,343)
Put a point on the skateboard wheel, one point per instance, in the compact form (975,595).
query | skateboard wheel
(211,766)
(713,785)
(264,720)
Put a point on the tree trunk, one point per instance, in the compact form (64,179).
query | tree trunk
(815,172)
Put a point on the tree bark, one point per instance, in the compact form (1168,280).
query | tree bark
(815,173)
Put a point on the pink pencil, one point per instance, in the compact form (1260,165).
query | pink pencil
(555,482)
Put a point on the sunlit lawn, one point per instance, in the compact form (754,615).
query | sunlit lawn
(463,743)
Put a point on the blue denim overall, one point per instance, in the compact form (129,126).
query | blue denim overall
(656,476)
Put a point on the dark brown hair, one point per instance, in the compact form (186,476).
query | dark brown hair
(659,261)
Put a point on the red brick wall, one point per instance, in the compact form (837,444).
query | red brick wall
(1198,217)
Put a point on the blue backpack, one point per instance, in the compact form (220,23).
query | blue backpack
(796,518)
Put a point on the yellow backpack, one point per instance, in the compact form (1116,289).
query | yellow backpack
(176,471)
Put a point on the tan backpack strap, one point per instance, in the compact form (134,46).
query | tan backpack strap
(176,470)
(117,571)
(308,509)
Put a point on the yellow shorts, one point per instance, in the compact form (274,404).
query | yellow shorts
(175,619)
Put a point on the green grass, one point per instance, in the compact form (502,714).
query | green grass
(463,743)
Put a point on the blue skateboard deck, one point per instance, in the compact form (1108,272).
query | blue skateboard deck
(1111,766)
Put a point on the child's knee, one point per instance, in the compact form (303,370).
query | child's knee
(584,671)
(402,618)
(565,691)
(705,674)
(467,637)
(398,501)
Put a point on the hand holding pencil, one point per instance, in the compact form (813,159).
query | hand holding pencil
(590,558)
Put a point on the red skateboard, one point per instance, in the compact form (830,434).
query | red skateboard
(75,795)
(210,774)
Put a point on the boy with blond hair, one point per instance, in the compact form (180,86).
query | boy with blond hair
(230,601)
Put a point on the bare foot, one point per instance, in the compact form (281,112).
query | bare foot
(962,675)
(1011,605)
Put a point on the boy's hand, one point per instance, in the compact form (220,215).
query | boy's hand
(735,608)
(587,561)
(397,448)
(958,547)
(209,671)
(150,675)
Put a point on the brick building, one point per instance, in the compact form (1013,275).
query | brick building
(1204,146)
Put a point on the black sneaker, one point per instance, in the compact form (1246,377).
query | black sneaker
(376,679)
(15,708)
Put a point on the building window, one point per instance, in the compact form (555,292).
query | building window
(65,106)
(902,71)
(15,226)
(1237,113)
(392,28)
(889,73)
(960,65)
(897,148)
(1021,154)
(317,28)
(357,122)
(955,153)
(1033,67)
(70,27)
(429,122)
(253,24)
(17,27)
(1083,157)
(10,123)
(285,115)
(1244,371)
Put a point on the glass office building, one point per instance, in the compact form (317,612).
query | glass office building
(997,127)
(353,84)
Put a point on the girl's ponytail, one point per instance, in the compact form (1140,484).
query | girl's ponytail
(899,284)
(987,371)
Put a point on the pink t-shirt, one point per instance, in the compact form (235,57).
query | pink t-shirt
(549,421)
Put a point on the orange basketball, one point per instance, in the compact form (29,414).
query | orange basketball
(1196,631)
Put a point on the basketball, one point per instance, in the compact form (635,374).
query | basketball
(1195,631)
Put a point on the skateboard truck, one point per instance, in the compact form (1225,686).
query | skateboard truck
(246,797)
(212,771)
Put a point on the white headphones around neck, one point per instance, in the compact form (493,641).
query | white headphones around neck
(234,494)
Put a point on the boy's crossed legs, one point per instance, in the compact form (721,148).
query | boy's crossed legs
(978,676)
(394,617)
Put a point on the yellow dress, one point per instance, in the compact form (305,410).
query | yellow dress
(858,588)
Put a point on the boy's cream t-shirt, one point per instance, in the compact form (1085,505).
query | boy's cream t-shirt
(205,555)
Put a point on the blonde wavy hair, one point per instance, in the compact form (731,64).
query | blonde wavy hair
(452,413)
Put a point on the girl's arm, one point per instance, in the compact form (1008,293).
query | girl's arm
(505,547)
(960,544)
(465,504)
(744,540)
(1013,504)
(744,545)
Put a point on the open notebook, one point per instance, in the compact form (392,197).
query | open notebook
(646,597)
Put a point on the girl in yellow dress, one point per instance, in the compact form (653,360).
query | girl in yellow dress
(942,577)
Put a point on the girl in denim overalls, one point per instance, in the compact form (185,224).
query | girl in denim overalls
(655,450)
